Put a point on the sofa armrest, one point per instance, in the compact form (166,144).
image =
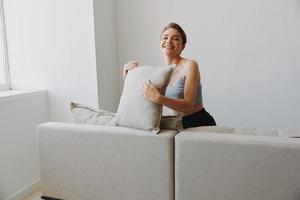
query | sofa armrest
(213,166)
(99,162)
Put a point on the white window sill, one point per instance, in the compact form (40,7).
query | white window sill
(7,94)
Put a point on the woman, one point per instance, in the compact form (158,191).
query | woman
(183,94)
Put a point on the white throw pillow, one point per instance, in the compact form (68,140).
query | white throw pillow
(134,110)
(83,114)
(87,115)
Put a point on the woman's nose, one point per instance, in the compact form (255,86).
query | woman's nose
(169,40)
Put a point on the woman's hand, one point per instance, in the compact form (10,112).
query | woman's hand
(150,92)
(129,66)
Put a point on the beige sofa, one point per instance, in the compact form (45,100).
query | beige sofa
(207,163)
(242,164)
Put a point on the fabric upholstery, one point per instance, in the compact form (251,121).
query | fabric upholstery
(84,114)
(171,123)
(80,161)
(90,162)
(278,132)
(134,110)
(210,166)
(212,129)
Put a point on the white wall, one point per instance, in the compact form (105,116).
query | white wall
(108,72)
(51,45)
(19,163)
(248,53)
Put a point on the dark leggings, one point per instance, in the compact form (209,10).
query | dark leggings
(200,118)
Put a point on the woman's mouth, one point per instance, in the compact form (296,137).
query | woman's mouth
(168,47)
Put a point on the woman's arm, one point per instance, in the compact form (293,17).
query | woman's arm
(185,105)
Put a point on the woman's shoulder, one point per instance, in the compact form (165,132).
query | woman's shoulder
(190,64)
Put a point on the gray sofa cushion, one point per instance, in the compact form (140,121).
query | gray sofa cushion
(171,123)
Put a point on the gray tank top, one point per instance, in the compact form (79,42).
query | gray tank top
(176,91)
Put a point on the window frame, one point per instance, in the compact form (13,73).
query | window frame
(6,85)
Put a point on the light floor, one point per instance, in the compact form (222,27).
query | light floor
(34,196)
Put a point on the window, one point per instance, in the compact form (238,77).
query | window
(4,74)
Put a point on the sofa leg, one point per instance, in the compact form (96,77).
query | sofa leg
(49,198)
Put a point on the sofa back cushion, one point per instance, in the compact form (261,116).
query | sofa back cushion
(279,132)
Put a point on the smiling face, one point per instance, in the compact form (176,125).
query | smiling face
(171,42)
